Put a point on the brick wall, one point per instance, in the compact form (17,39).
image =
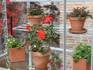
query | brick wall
(72,5)
(74,39)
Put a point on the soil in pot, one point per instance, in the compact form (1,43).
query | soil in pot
(16,54)
(77,25)
(35,19)
(81,65)
(40,61)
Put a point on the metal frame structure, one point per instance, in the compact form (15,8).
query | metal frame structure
(4,54)
(64,50)
(55,49)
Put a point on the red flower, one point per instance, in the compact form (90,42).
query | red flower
(41,34)
(28,27)
(48,19)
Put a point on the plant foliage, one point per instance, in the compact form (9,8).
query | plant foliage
(82,51)
(13,43)
(80,12)
(41,35)
(35,9)
(34,12)
(56,61)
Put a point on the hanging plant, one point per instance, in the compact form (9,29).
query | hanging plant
(51,9)
(55,61)
(77,20)
(51,12)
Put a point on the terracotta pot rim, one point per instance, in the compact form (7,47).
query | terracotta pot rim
(79,59)
(40,54)
(75,18)
(36,16)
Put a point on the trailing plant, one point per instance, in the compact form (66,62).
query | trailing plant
(82,51)
(41,36)
(80,12)
(14,43)
(55,61)
(51,9)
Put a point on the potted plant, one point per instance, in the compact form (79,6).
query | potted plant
(77,19)
(16,50)
(35,13)
(39,38)
(82,57)
(51,13)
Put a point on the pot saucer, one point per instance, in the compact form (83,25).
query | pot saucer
(77,31)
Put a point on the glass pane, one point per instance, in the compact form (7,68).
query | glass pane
(77,42)
(17,21)
(75,37)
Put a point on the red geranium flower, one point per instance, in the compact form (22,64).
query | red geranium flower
(48,19)
(41,34)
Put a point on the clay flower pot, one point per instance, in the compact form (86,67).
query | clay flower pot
(35,19)
(81,65)
(16,54)
(77,25)
(40,61)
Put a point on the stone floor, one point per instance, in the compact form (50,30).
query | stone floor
(13,66)
(18,66)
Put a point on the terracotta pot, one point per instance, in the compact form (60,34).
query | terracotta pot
(16,54)
(35,19)
(40,61)
(77,25)
(81,65)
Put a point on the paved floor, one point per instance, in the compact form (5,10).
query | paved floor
(14,66)
(18,66)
